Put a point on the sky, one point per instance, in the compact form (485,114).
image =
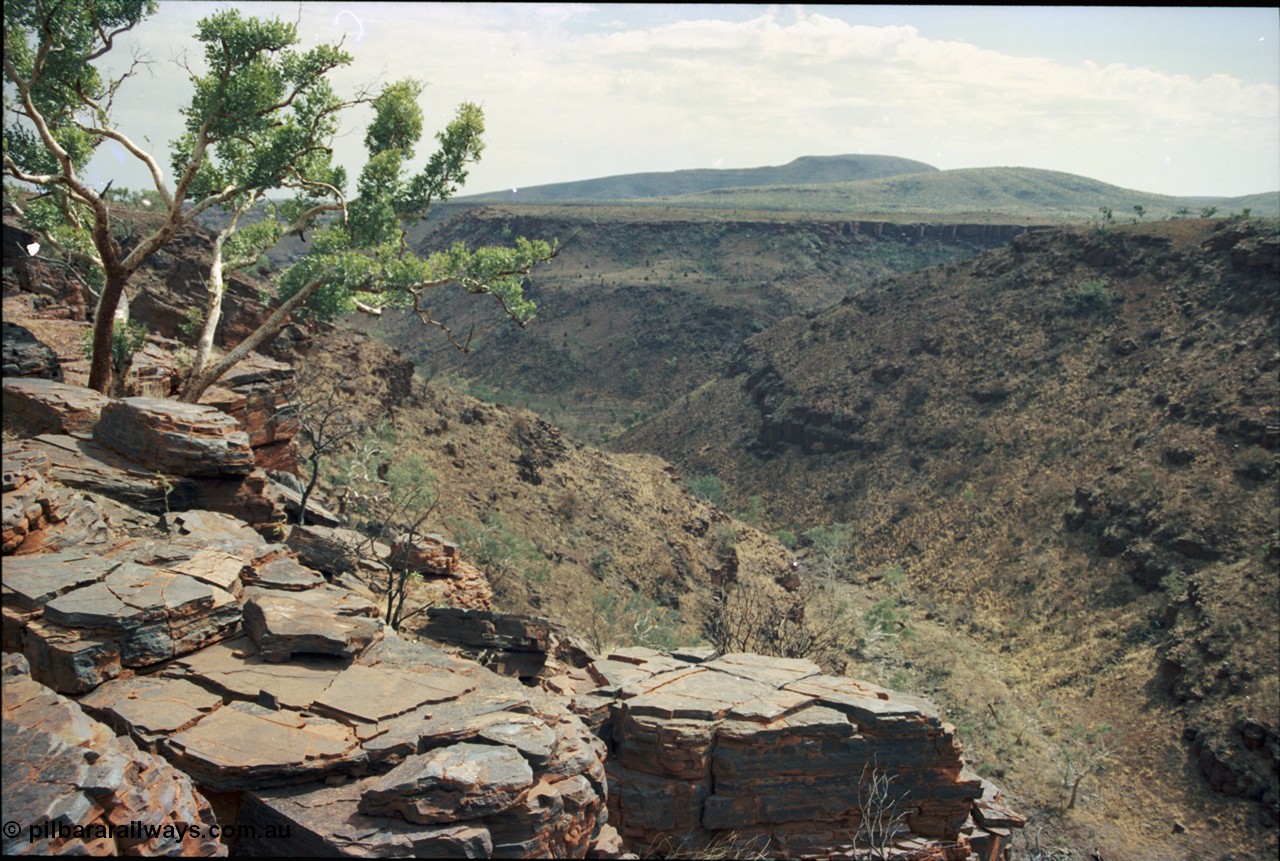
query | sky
(1179,101)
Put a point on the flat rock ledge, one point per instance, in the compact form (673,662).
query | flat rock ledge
(769,756)
(75,788)
(36,405)
(406,750)
(82,619)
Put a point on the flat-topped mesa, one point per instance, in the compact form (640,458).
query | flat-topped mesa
(771,756)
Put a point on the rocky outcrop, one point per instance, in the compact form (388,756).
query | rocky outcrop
(34,406)
(82,619)
(257,393)
(40,515)
(176,438)
(313,708)
(404,749)
(524,647)
(75,788)
(324,620)
(442,577)
(771,755)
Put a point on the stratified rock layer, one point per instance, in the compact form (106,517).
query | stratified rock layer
(74,788)
(36,405)
(176,438)
(769,754)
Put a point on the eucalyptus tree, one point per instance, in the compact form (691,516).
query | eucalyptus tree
(261,120)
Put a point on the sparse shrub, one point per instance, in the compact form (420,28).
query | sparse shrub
(786,538)
(637,621)
(754,511)
(567,505)
(725,538)
(829,548)
(882,621)
(1254,464)
(1090,297)
(126,341)
(896,576)
(881,822)
(499,551)
(1086,752)
(811,623)
(191,323)
(601,562)
(706,487)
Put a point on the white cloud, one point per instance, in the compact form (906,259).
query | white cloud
(566,98)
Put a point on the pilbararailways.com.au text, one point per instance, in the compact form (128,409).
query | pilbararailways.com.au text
(138,831)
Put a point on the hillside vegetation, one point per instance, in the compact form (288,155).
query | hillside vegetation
(806,169)
(975,193)
(642,305)
(1063,453)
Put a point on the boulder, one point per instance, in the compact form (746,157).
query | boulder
(34,405)
(24,355)
(77,789)
(325,620)
(176,438)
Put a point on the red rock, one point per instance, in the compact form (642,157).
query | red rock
(63,768)
(40,516)
(35,406)
(175,438)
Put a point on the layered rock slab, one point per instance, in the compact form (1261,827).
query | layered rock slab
(36,406)
(176,438)
(39,515)
(323,620)
(128,616)
(770,753)
(25,355)
(75,788)
(405,750)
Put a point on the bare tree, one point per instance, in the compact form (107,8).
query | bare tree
(325,425)
(810,623)
(881,821)
(1086,752)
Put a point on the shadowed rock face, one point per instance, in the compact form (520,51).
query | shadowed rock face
(27,356)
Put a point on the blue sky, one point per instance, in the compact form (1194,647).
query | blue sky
(1170,100)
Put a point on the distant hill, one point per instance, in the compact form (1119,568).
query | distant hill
(802,171)
(1006,191)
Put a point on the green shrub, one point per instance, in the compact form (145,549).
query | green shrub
(1090,297)
(706,487)
(786,538)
